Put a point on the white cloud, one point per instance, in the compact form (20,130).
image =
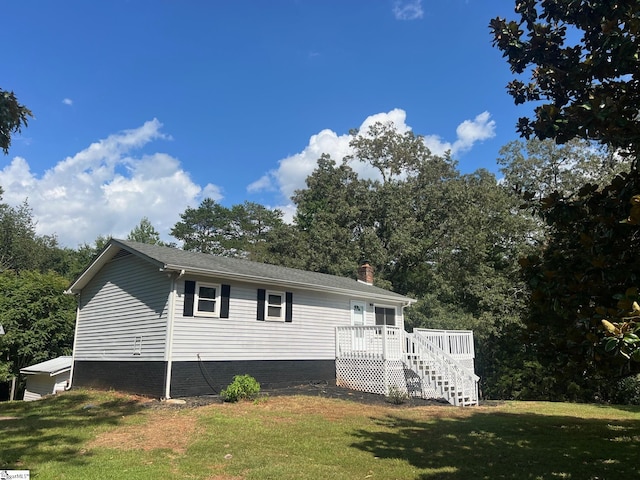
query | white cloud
(293,170)
(264,183)
(468,133)
(105,189)
(408,9)
(471,131)
(67,101)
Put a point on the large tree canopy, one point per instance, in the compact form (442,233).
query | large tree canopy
(582,59)
(20,247)
(239,231)
(584,67)
(37,317)
(538,168)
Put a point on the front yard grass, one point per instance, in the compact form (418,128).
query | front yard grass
(105,435)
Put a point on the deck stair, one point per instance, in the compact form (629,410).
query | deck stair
(442,375)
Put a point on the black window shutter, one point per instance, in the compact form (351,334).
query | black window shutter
(189,291)
(288,312)
(261,298)
(224,304)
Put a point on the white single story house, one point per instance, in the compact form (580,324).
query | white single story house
(47,378)
(165,322)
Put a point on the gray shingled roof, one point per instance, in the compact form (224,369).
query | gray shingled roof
(234,268)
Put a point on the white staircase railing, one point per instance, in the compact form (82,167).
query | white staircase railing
(441,370)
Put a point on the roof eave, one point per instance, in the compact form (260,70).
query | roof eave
(281,283)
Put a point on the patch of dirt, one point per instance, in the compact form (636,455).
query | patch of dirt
(170,430)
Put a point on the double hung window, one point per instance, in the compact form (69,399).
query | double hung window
(207,299)
(274,306)
(203,299)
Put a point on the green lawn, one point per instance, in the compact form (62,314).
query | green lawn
(102,435)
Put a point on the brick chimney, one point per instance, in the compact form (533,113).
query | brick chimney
(365,273)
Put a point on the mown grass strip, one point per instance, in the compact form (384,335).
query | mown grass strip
(105,435)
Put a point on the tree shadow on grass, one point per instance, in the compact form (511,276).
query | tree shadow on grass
(501,445)
(54,429)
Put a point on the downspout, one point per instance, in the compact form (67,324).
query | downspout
(75,339)
(170,322)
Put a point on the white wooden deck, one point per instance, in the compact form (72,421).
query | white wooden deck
(426,363)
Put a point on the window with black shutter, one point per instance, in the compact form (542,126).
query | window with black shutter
(206,299)
(275,306)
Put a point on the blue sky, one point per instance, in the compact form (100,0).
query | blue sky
(143,108)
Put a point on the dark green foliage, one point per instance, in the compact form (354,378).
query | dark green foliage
(332,218)
(20,247)
(583,62)
(627,391)
(240,231)
(145,232)
(37,318)
(591,257)
(13,116)
(582,58)
(243,387)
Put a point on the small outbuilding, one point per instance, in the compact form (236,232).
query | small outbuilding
(47,378)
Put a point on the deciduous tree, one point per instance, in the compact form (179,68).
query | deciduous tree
(535,169)
(583,66)
(20,247)
(38,319)
(583,63)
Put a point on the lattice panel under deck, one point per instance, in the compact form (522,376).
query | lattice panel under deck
(372,376)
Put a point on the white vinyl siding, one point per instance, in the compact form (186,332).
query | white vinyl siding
(310,335)
(40,385)
(123,313)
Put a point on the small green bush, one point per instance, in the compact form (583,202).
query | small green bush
(396,396)
(242,387)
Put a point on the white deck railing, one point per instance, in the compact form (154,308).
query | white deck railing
(375,342)
(457,343)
